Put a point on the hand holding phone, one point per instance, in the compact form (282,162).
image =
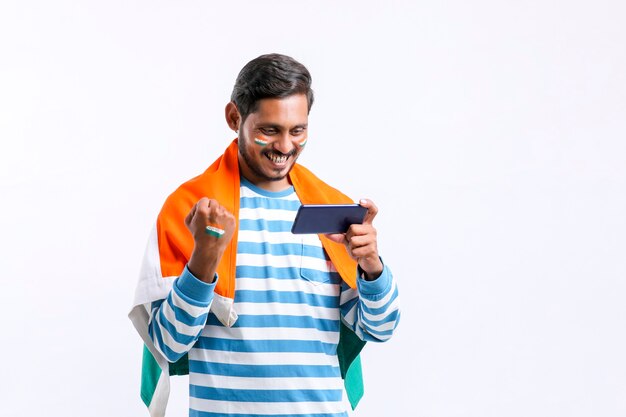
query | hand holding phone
(327,218)
(361,242)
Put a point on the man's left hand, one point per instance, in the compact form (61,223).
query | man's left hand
(360,241)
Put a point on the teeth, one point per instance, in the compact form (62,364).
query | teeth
(277,159)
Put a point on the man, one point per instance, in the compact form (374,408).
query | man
(261,313)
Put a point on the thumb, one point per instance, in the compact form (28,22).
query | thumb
(372,210)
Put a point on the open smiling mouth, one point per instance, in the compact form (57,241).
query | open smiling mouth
(277,158)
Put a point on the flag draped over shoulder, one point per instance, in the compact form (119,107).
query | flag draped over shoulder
(170,246)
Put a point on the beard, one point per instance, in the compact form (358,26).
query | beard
(246,153)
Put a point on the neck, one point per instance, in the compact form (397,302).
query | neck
(265,184)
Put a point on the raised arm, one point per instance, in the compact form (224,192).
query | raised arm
(176,322)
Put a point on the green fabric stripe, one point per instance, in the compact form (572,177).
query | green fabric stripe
(150,374)
(181,366)
(354,383)
(347,351)
(348,348)
(350,364)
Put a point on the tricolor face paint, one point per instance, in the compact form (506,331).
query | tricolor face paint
(263,142)
(214,231)
(260,141)
(271,139)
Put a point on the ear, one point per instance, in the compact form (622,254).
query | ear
(233,117)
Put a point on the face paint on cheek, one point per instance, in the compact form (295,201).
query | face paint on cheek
(303,142)
(261,142)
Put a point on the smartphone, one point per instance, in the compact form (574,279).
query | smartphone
(327,218)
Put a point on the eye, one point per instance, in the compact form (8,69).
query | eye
(298,131)
(268,131)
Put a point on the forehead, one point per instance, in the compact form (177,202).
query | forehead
(291,110)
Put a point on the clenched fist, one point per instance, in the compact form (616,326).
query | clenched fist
(209,244)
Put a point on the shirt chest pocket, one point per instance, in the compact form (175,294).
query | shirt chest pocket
(314,264)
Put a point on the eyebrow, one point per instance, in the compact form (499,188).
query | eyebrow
(278,127)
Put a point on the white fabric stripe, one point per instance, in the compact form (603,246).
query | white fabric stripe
(270,333)
(276,284)
(359,332)
(139,315)
(283,309)
(161,393)
(308,239)
(381,327)
(274,237)
(223,309)
(310,262)
(181,327)
(265,408)
(266,214)
(151,286)
(350,317)
(365,329)
(284,261)
(265,358)
(364,319)
(233,382)
(194,311)
(249,192)
(270,237)
(168,340)
(377,317)
(347,295)
(382,301)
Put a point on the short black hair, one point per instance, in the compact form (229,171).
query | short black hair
(270,76)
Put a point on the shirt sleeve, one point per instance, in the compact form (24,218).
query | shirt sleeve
(371,310)
(176,322)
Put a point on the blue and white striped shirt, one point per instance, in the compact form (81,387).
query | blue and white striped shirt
(279,358)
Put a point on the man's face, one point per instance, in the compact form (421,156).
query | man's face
(271,139)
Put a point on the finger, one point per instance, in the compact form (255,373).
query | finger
(354,230)
(199,210)
(372,210)
(364,252)
(360,230)
(229,220)
(201,207)
(359,241)
(190,215)
(221,214)
(336,237)
(213,210)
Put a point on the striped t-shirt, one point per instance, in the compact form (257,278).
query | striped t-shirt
(279,358)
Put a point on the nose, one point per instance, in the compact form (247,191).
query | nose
(284,143)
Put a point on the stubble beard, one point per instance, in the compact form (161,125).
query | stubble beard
(250,163)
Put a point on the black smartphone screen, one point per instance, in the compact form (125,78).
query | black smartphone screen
(327,218)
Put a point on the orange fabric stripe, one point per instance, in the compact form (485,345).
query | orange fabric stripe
(312,190)
(221,182)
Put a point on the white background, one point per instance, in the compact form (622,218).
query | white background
(492,135)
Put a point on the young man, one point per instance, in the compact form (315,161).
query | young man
(260,315)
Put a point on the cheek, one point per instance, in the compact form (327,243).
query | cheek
(302,140)
(261,139)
